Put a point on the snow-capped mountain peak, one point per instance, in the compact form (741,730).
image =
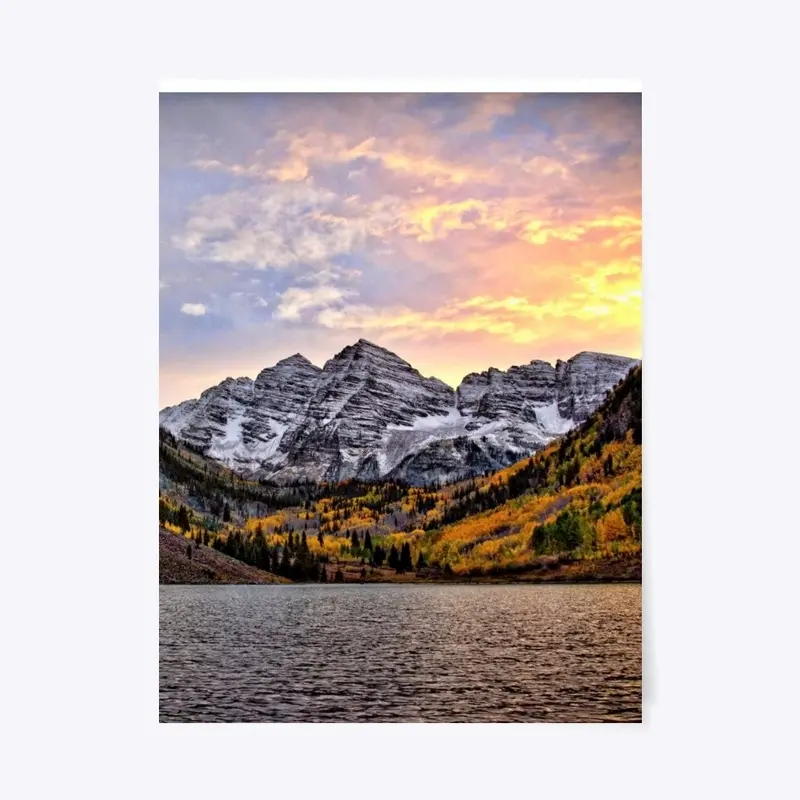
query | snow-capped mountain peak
(369,414)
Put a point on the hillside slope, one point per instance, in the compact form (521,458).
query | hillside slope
(205,564)
(579,500)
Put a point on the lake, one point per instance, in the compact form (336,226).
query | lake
(401,653)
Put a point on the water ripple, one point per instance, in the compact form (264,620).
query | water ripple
(367,653)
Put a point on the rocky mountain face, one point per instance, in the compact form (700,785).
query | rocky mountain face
(241,422)
(369,414)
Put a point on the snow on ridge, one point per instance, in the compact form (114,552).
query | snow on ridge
(550,419)
(367,412)
(433,422)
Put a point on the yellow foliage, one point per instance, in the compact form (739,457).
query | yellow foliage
(267,523)
(611,527)
(172,528)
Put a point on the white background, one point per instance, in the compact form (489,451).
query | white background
(79,187)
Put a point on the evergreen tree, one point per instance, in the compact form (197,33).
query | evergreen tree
(189,552)
(285,567)
(226,513)
(406,564)
(297,572)
(183,518)
(304,543)
(367,541)
(323,575)
(339,576)
(420,561)
(290,541)
(394,559)
(321,538)
(355,542)
(264,557)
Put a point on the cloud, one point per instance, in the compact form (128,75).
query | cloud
(272,226)
(539,232)
(605,298)
(302,208)
(409,158)
(297,299)
(544,166)
(485,111)
(194,309)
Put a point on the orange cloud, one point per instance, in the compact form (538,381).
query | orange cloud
(609,295)
(541,231)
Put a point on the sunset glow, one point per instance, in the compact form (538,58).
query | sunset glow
(460,231)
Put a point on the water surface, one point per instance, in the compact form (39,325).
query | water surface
(393,653)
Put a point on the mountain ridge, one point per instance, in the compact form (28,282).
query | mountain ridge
(369,414)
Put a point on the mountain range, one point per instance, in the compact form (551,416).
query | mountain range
(368,414)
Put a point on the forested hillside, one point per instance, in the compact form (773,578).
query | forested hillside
(580,499)
(575,507)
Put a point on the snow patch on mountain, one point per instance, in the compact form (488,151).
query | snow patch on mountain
(369,414)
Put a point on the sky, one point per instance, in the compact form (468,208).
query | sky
(459,231)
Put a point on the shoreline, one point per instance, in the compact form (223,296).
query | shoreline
(209,567)
(482,581)
(493,582)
